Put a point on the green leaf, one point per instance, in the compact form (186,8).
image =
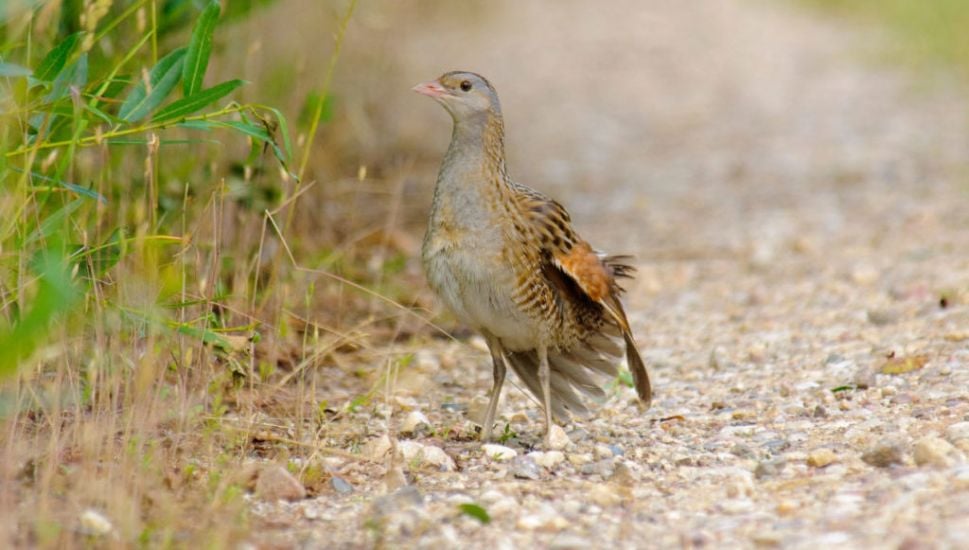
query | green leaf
(188,105)
(13,70)
(53,63)
(74,74)
(199,49)
(93,262)
(284,130)
(83,191)
(161,80)
(54,221)
(56,294)
(475,511)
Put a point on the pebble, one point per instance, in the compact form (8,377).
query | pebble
(545,518)
(819,458)
(957,431)
(377,449)
(882,317)
(276,483)
(524,467)
(341,485)
(95,523)
(770,468)
(605,494)
(548,459)
(884,455)
(934,451)
(498,453)
(558,439)
(604,468)
(402,499)
(604,451)
(426,454)
(414,421)
(579,459)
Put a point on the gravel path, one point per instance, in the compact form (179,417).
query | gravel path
(799,215)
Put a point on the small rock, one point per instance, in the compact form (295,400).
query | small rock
(882,316)
(498,453)
(377,449)
(557,438)
(413,421)
(578,434)
(548,459)
(957,431)
(742,451)
(605,494)
(276,483)
(454,407)
(787,507)
(524,467)
(864,274)
(884,455)
(934,451)
(402,499)
(616,450)
(604,468)
(426,454)
(579,459)
(341,485)
(95,523)
(603,451)
(545,518)
(757,352)
(771,468)
(819,458)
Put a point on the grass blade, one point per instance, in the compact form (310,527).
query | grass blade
(188,105)
(55,60)
(199,49)
(161,80)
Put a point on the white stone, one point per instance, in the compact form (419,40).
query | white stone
(548,459)
(934,451)
(413,420)
(426,454)
(377,449)
(95,523)
(957,431)
(557,438)
(498,452)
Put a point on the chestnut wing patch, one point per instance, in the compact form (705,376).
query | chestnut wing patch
(585,267)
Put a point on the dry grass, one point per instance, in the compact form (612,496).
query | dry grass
(201,301)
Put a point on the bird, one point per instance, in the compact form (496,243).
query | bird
(506,260)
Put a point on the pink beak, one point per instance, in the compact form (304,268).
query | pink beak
(431,88)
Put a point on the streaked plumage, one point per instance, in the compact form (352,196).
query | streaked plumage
(505,258)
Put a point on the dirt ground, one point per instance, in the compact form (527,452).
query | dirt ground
(798,212)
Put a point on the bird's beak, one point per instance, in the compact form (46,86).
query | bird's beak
(431,88)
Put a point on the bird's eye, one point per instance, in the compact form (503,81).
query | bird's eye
(466,85)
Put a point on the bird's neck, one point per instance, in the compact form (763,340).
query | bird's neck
(478,144)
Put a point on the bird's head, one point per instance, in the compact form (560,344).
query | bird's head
(464,94)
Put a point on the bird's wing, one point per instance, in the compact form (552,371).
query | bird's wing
(574,267)
(594,273)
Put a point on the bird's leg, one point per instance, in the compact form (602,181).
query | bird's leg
(498,357)
(544,378)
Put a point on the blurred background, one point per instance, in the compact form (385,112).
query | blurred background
(211,297)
